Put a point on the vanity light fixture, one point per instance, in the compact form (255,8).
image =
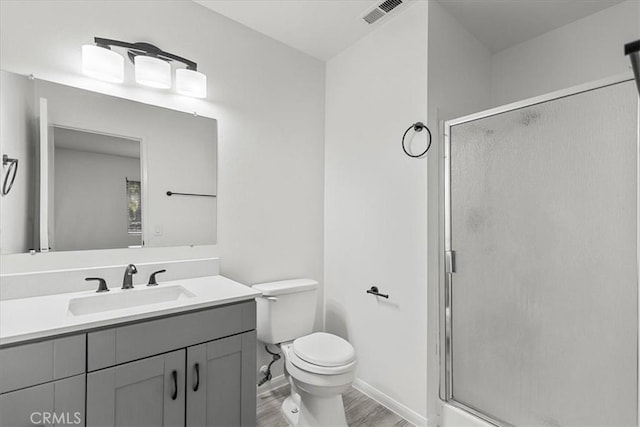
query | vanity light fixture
(153,72)
(102,63)
(191,83)
(152,66)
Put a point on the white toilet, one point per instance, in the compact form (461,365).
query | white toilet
(319,366)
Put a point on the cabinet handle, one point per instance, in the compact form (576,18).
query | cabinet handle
(196,372)
(174,393)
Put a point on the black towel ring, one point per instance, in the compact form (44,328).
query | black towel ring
(417,127)
(12,171)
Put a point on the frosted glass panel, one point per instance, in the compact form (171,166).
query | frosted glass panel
(545,296)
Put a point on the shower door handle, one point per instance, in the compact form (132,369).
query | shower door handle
(450,261)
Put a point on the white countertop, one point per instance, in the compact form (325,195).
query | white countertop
(46,316)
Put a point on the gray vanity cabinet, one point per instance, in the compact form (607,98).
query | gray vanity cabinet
(196,369)
(147,392)
(221,382)
(54,403)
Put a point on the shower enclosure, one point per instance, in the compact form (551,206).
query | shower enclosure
(540,293)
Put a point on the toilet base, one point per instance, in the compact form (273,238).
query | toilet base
(314,411)
(290,411)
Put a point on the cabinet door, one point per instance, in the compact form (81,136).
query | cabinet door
(52,404)
(221,375)
(148,392)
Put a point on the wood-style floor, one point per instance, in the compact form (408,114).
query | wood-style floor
(361,411)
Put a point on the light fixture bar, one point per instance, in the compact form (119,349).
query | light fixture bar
(141,48)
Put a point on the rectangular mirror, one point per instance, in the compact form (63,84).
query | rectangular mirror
(116,173)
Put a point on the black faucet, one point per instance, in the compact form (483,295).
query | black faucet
(102,286)
(127,281)
(152,278)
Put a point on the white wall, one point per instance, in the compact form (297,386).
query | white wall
(269,103)
(17,141)
(376,204)
(381,207)
(588,49)
(90,204)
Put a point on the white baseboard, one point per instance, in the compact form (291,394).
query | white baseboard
(275,383)
(389,403)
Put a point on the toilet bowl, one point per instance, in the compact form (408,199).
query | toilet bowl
(319,366)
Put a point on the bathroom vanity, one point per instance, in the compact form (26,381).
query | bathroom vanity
(189,360)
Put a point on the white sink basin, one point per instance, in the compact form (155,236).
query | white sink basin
(126,299)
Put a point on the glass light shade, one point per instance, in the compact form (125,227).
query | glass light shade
(152,72)
(191,83)
(103,64)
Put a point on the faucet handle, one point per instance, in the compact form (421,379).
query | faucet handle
(102,286)
(152,277)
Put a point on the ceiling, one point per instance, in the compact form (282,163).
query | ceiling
(320,28)
(323,28)
(79,140)
(500,24)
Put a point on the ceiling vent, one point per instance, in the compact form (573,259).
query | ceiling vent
(379,11)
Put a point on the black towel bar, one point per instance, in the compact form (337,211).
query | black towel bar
(173,193)
(375,291)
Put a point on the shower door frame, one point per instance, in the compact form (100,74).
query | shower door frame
(447,261)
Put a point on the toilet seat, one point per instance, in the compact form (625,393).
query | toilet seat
(322,353)
(317,369)
(321,348)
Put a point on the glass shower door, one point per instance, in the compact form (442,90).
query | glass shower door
(543,304)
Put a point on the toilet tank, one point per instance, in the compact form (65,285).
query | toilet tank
(286,310)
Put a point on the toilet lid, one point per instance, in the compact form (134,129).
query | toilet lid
(324,349)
